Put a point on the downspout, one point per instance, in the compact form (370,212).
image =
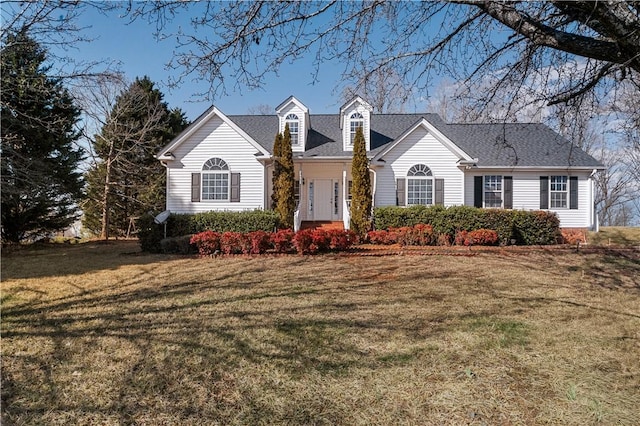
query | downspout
(166,186)
(297,216)
(346,213)
(593,215)
(373,191)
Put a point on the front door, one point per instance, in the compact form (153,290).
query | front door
(322,205)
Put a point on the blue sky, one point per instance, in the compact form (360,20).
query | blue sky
(134,46)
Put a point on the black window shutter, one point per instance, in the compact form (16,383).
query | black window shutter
(235,188)
(507,181)
(544,192)
(439,192)
(400,201)
(477,191)
(573,192)
(195,187)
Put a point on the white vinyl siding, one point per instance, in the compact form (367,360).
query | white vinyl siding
(419,147)
(214,139)
(526,194)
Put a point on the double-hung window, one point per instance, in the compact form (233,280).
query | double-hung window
(215,180)
(493,191)
(558,192)
(356,120)
(294,128)
(419,185)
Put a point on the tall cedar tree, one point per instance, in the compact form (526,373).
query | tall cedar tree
(286,204)
(277,168)
(361,187)
(128,181)
(40,182)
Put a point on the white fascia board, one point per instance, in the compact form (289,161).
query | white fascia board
(292,99)
(196,125)
(321,159)
(355,99)
(185,134)
(448,143)
(540,168)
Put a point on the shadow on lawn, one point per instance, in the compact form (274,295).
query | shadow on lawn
(54,260)
(206,350)
(171,340)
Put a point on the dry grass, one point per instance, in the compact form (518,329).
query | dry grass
(94,336)
(616,235)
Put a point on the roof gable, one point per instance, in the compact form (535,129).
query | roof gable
(424,123)
(165,153)
(289,100)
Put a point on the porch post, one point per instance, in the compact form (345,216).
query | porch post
(346,214)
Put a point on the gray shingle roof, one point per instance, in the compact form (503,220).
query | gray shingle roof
(494,145)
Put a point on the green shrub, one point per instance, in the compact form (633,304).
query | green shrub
(519,226)
(150,234)
(536,227)
(177,245)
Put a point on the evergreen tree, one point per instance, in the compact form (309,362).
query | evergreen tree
(361,186)
(40,182)
(286,203)
(277,168)
(128,181)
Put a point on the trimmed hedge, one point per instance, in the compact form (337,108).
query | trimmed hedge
(150,234)
(283,241)
(512,226)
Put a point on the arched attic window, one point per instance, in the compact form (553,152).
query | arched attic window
(294,128)
(215,180)
(356,120)
(419,185)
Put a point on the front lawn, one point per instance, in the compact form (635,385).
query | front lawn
(102,334)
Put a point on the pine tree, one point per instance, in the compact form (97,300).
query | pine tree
(361,187)
(286,204)
(128,181)
(41,185)
(277,168)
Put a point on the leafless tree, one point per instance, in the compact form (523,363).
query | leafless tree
(118,141)
(54,25)
(598,43)
(261,109)
(383,89)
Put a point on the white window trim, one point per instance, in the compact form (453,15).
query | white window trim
(429,177)
(565,192)
(207,172)
(290,119)
(485,190)
(354,118)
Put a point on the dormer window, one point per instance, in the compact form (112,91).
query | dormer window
(356,120)
(294,128)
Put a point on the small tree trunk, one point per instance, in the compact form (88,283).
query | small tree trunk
(104,233)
